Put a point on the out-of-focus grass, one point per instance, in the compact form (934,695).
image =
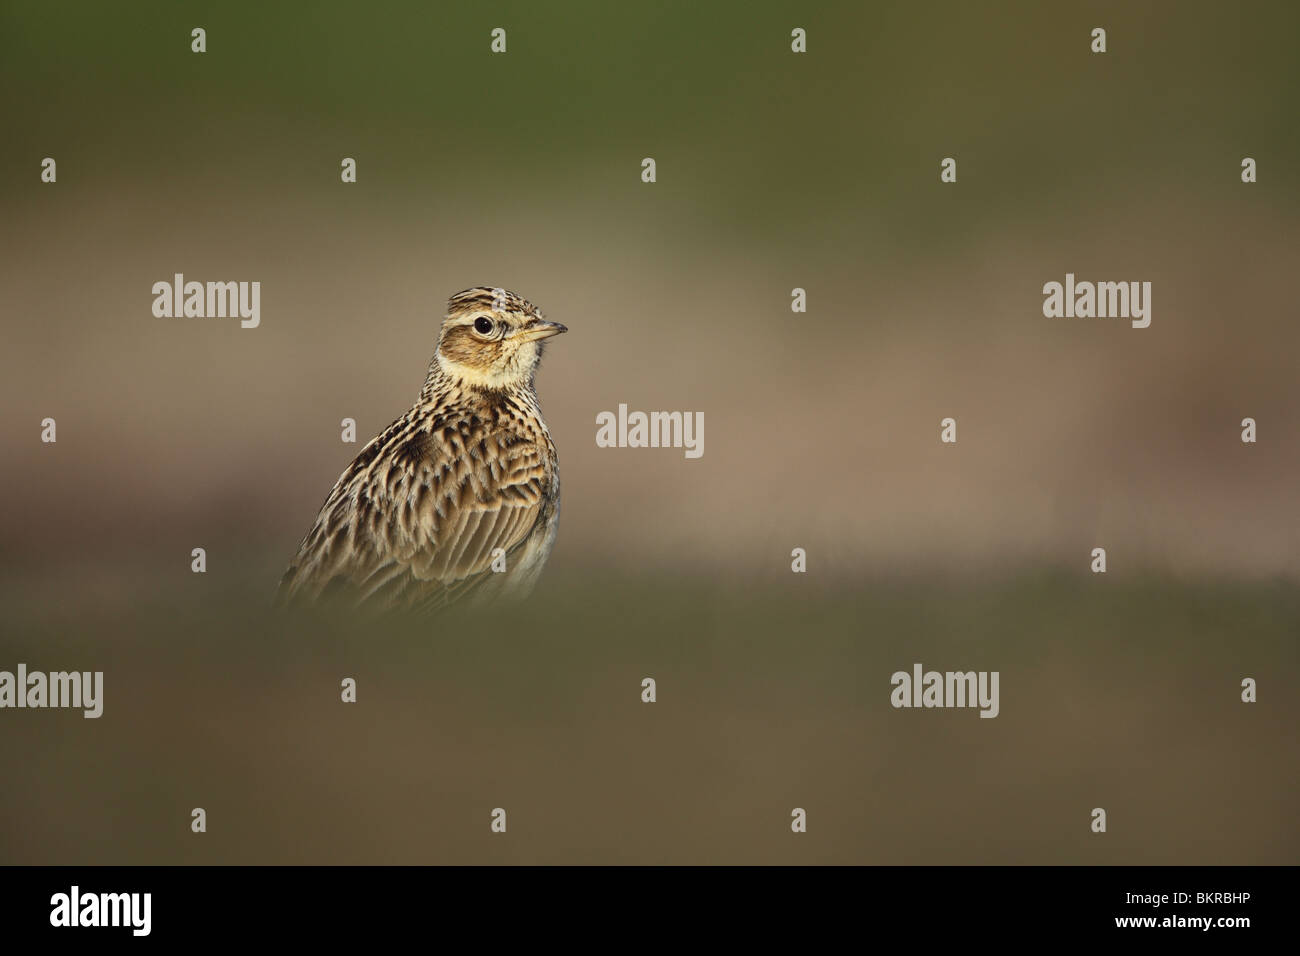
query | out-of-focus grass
(1118,694)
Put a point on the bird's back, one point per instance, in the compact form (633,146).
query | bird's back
(459,496)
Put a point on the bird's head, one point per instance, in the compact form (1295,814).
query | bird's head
(492,338)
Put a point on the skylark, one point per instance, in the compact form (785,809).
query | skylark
(459,496)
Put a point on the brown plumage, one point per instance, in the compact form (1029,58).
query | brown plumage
(465,479)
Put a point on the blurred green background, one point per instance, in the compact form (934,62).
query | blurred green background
(775,170)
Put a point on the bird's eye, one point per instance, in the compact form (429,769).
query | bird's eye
(482,325)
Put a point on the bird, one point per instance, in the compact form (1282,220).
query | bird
(457,499)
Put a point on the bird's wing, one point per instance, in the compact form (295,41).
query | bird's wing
(416,520)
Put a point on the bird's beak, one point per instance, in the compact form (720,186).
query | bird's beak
(541,329)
